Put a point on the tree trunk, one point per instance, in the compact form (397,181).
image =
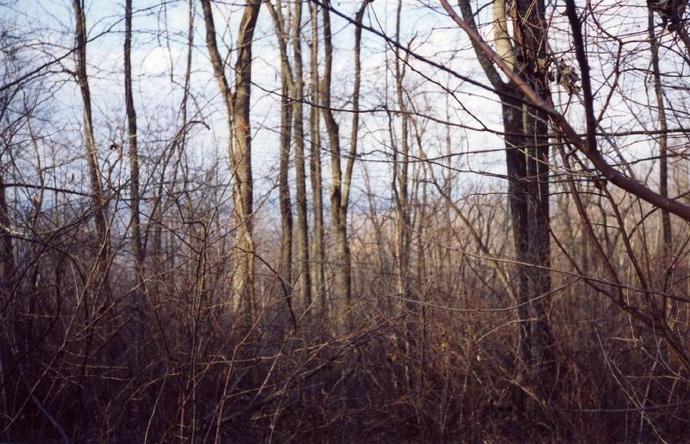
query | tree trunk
(135,223)
(237,106)
(285,138)
(241,163)
(317,248)
(98,200)
(283,181)
(668,307)
(340,183)
(402,174)
(342,276)
(7,264)
(300,173)
(667,235)
(527,160)
(531,49)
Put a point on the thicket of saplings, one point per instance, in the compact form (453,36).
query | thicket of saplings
(161,352)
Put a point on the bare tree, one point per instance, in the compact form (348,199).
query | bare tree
(137,246)
(401,158)
(667,235)
(340,182)
(237,104)
(540,296)
(7,263)
(241,158)
(286,218)
(343,278)
(527,160)
(305,287)
(317,248)
(99,201)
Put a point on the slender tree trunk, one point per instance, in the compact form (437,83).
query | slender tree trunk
(285,139)
(401,193)
(317,247)
(98,200)
(340,183)
(97,293)
(342,279)
(402,173)
(668,306)
(354,131)
(7,264)
(667,235)
(283,180)
(7,280)
(7,271)
(135,224)
(300,173)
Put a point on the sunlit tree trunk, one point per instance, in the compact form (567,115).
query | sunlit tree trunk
(317,247)
(243,282)
(237,105)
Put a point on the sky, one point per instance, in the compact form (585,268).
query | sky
(159,53)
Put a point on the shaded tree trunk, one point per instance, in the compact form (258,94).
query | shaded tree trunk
(530,36)
(340,182)
(286,220)
(666,233)
(343,273)
(98,201)
(401,173)
(137,247)
(305,287)
(283,180)
(527,160)
(7,263)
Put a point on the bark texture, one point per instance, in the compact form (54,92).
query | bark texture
(237,104)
